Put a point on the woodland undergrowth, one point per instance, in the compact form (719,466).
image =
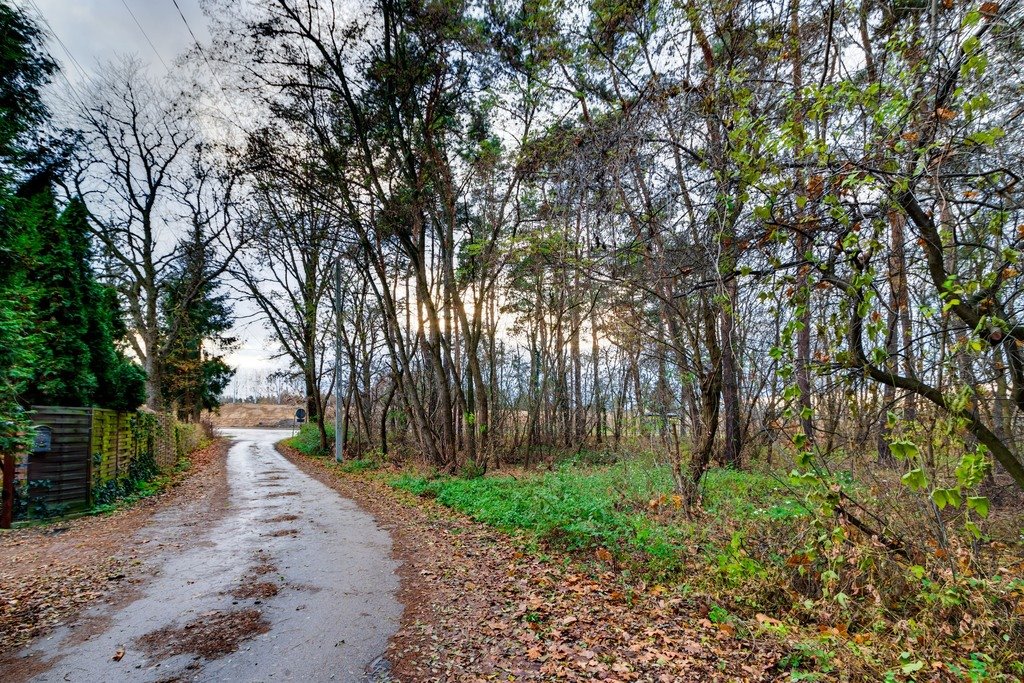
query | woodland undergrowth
(761,558)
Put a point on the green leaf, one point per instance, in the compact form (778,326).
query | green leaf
(915,479)
(902,449)
(944,497)
(911,667)
(979,504)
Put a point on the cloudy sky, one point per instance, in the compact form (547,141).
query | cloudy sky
(94,31)
(99,30)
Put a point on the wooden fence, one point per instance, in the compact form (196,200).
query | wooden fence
(114,444)
(63,474)
(81,451)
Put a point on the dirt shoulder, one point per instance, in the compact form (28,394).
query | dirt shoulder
(478,607)
(49,573)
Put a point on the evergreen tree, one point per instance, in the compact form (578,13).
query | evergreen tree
(74,319)
(196,371)
(120,383)
(24,69)
(58,324)
(60,280)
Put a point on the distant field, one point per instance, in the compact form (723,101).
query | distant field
(254,415)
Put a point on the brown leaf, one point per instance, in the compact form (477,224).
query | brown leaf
(815,186)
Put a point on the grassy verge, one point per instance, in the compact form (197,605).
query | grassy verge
(744,561)
(755,561)
(627,509)
(307,442)
(307,439)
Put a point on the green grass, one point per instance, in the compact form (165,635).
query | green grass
(586,503)
(582,507)
(360,465)
(732,559)
(749,495)
(307,440)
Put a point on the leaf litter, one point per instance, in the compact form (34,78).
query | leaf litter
(49,573)
(210,635)
(477,607)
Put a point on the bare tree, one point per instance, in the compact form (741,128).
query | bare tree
(286,267)
(147,179)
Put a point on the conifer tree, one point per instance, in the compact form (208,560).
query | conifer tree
(196,371)
(60,280)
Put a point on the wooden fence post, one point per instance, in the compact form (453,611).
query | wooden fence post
(7,511)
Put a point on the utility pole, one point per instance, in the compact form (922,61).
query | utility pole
(337,361)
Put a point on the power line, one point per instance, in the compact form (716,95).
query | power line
(209,66)
(146,36)
(49,26)
(77,65)
(199,47)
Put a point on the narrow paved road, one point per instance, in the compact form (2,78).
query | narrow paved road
(295,575)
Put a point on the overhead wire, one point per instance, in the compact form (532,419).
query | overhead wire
(234,118)
(75,63)
(146,35)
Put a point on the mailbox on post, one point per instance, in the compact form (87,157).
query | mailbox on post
(43,441)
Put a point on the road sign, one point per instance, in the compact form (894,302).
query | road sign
(300,416)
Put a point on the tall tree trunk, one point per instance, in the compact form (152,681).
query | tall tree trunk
(595,351)
(733,444)
(897,300)
(154,381)
(803,290)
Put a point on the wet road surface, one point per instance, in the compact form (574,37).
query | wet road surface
(310,567)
